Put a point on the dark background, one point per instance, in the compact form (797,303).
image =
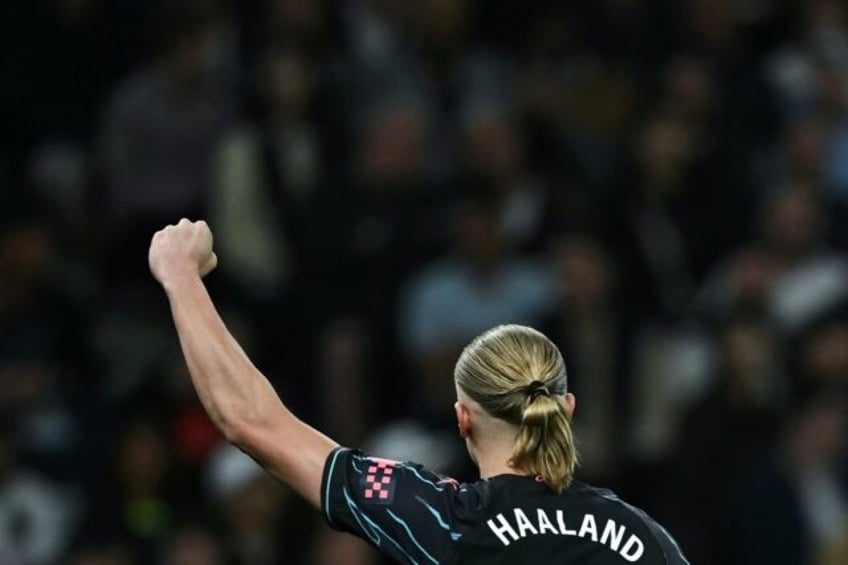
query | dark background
(660,186)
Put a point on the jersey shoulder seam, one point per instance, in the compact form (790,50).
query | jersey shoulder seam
(612,498)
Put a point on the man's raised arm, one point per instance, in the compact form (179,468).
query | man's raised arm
(238,398)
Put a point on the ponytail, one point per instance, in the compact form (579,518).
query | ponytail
(517,374)
(545,443)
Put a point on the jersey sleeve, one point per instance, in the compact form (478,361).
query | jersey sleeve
(402,509)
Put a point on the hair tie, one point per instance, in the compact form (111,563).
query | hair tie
(536,389)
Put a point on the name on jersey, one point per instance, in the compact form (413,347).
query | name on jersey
(511,528)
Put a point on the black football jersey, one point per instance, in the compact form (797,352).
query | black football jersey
(419,517)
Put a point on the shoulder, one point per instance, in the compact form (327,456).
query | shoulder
(403,509)
(633,514)
(379,478)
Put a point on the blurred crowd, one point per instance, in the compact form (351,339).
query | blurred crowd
(662,187)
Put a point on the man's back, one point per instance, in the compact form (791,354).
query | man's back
(417,516)
(520,520)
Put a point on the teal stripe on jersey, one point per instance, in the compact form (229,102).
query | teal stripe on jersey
(329,482)
(411,536)
(376,539)
(435,513)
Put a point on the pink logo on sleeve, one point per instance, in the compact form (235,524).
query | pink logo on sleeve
(379,481)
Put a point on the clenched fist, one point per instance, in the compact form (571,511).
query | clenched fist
(183,249)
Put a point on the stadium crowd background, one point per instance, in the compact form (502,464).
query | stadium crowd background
(660,186)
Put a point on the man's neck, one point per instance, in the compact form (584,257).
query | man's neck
(495,463)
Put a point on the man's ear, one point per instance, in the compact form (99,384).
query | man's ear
(463,419)
(570,402)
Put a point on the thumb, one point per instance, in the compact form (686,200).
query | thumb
(210,264)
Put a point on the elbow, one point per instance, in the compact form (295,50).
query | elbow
(233,432)
(231,426)
(236,430)
(242,430)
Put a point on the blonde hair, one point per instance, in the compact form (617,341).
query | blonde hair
(516,373)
